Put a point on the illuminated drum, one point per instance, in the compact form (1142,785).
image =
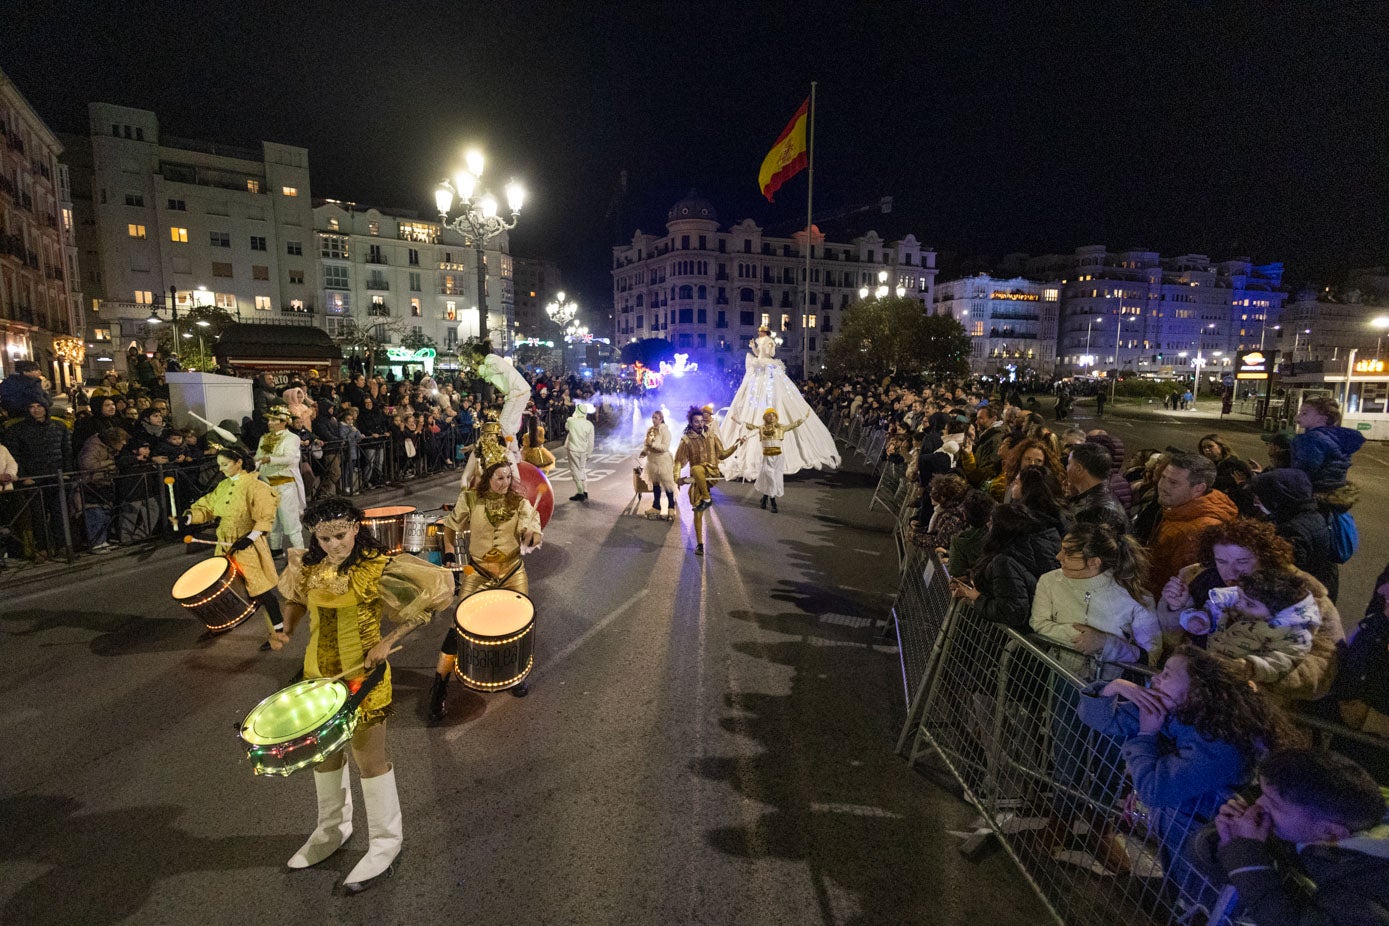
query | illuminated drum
(496,630)
(215,592)
(299,726)
(387,525)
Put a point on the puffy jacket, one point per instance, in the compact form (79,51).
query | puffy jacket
(1008,581)
(1324,455)
(18,391)
(1313,676)
(41,448)
(1117,483)
(1177,538)
(1287,494)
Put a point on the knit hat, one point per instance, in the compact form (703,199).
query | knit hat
(1281,487)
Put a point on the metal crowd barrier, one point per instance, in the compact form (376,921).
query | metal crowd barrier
(889,488)
(998,711)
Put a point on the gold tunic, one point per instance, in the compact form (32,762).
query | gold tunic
(495,524)
(241,504)
(345,611)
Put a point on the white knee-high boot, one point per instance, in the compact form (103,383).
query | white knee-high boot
(334,818)
(384,826)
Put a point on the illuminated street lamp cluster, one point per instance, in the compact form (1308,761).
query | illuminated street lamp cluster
(563,312)
(477,219)
(882,289)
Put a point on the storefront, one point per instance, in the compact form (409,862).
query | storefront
(1361,386)
(286,351)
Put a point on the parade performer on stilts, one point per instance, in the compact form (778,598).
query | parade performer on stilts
(244,509)
(501,525)
(772,435)
(766,385)
(702,450)
(660,465)
(344,583)
(278,456)
(503,376)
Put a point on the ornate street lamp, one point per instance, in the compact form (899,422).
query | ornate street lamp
(882,289)
(477,219)
(562,312)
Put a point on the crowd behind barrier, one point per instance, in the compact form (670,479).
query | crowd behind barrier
(1018,721)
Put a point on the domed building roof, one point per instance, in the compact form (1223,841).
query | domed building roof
(693,206)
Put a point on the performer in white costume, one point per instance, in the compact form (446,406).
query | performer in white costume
(766,386)
(278,456)
(506,379)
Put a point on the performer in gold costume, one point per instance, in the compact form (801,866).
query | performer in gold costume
(500,522)
(344,583)
(770,478)
(702,450)
(244,509)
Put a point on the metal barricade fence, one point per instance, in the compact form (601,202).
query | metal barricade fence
(889,487)
(918,617)
(854,433)
(999,712)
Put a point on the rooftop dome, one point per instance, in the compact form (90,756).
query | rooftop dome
(693,206)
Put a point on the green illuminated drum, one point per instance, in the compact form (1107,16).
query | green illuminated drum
(300,726)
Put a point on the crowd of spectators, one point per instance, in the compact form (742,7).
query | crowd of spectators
(1218,574)
(114,444)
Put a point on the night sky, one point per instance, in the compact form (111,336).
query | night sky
(1243,129)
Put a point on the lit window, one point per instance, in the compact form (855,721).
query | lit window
(253,186)
(262,303)
(373,228)
(451,310)
(809,321)
(288,191)
(144,297)
(224,300)
(333,224)
(177,235)
(415,309)
(766,320)
(297,305)
(101,334)
(135,231)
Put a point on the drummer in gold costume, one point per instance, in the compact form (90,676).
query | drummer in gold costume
(244,509)
(499,521)
(345,583)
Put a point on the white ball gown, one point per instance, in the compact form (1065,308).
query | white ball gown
(766,385)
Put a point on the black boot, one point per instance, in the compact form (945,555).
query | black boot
(764,503)
(773,506)
(437,695)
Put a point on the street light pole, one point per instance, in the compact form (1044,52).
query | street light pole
(562,312)
(1380,322)
(477,221)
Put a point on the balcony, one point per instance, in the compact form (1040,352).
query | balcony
(379,310)
(379,285)
(296,310)
(376,259)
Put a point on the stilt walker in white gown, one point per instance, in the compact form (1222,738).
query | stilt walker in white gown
(766,386)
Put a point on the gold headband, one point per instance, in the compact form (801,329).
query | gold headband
(334,525)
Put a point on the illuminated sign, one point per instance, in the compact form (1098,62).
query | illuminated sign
(406,355)
(1015,297)
(1362,366)
(1255,364)
(679,367)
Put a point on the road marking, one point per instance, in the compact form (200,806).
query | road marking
(869,552)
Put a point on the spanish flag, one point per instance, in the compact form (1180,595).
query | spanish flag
(788,156)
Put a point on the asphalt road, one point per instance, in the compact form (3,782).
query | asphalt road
(707,740)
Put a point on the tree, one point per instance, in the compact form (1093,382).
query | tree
(534,355)
(893,335)
(369,339)
(417,340)
(650,351)
(198,328)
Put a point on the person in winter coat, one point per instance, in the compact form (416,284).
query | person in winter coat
(1188,741)
(1230,551)
(22,388)
(1286,496)
(948,493)
(1117,483)
(1096,602)
(1018,549)
(968,545)
(988,445)
(1267,622)
(1088,468)
(1313,849)
(1189,505)
(1324,449)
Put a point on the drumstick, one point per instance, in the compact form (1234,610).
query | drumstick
(213,543)
(173,503)
(361,665)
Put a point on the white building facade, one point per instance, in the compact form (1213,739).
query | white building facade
(195,223)
(707,290)
(1137,311)
(1011,323)
(406,277)
(40,298)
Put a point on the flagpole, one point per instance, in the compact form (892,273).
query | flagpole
(809,198)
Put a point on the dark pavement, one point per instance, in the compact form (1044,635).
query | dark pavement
(707,740)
